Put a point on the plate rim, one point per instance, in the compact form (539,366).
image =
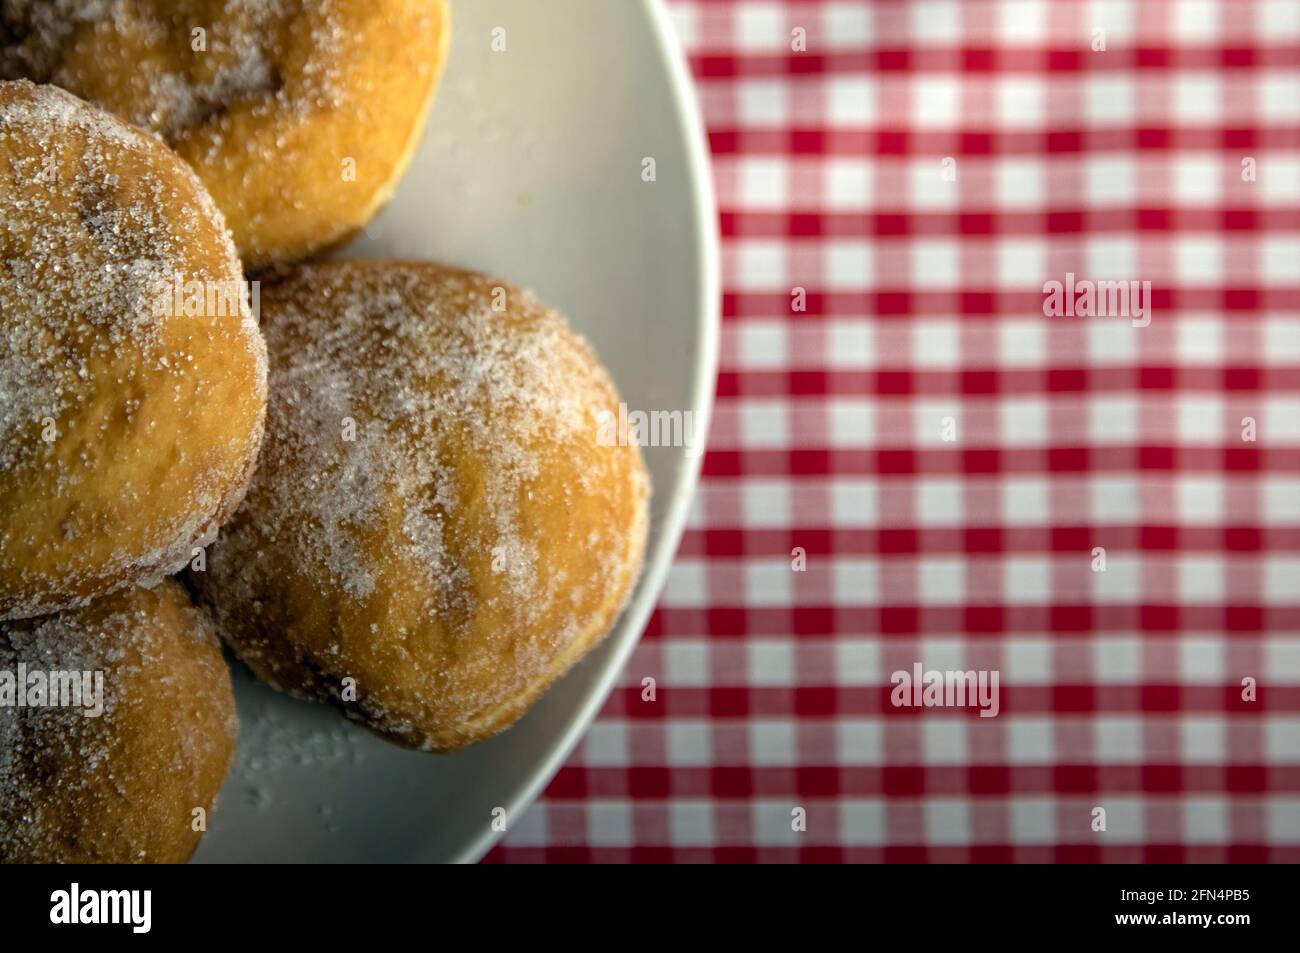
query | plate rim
(637,614)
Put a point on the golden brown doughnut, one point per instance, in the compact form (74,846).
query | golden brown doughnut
(436,517)
(300,116)
(128,425)
(125,786)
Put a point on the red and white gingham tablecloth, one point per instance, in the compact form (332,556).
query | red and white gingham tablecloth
(949,459)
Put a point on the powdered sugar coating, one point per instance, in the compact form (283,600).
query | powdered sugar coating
(139,250)
(97,222)
(242,48)
(299,115)
(432,516)
(120,786)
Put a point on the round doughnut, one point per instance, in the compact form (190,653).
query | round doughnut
(130,411)
(137,782)
(438,529)
(300,116)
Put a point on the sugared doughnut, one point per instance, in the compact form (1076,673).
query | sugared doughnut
(439,526)
(132,372)
(300,116)
(135,783)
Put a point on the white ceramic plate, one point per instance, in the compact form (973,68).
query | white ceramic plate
(531,169)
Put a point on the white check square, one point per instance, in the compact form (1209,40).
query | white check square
(1022,263)
(1022,342)
(936,263)
(856,581)
(927,188)
(1205,820)
(764,182)
(1200,657)
(763,102)
(768,583)
(1196,21)
(1202,739)
(1027,580)
(849,342)
(947,821)
(690,823)
(1021,101)
(686,663)
(848,184)
(765,423)
(772,743)
(1197,97)
(763,344)
(936,101)
(860,741)
(1278,102)
(760,25)
(936,343)
(1277,176)
(766,503)
(1277,21)
(1281,338)
(1113,341)
(1280,259)
(941,580)
(1115,419)
(1118,659)
(849,101)
(848,265)
(1199,499)
(1200,339)
(609,823)
(760,265)
(1025,501)
(851,422)
(1022,22)
(1109,99)
(939,502)
(1201,418)
(1110,180)
(606,745)
(1020,182)
(854,502)
(1198,259)
(933,22)
(1030,740)
(1198,179)
(1201,579)
(688,743)
(1023,421)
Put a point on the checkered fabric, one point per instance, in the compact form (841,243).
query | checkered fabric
(953,464)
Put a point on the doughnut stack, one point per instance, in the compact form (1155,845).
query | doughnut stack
(385,489)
